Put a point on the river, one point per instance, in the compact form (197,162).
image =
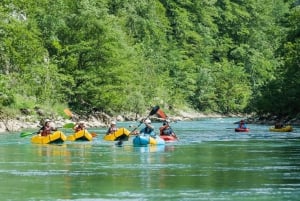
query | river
(209,162)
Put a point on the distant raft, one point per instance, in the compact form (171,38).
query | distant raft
(82,135)
(143,140)
(283,129)
(120,134)
(56,137)
(241,129)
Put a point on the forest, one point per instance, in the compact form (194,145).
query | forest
(117,56)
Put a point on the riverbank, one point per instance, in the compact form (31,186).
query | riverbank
(96,120)
(272,119)
(101,120)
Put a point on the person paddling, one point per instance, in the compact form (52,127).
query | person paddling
(47,128)
(113,128)
(148,129)
(79,126)
(242,124)
(165,129)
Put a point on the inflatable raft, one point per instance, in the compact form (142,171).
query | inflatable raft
(143,140)
(120,134)
(168,138)
(82,135)
(283,129)
(56,137)
(242,129)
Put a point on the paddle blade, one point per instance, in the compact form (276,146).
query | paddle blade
(68,112)
(161,114)
(154,110)
(24,134)
(69,125)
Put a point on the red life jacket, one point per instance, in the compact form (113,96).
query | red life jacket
(46,130)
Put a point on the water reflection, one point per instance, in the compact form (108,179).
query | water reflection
(210,162)
(50,150)
(143,149)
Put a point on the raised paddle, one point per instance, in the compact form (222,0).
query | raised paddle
(152,112)
(161,114)
(68,112)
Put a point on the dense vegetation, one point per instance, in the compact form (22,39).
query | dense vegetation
(225,56)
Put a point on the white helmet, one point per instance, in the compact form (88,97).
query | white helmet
(147,121)
(52,124)
(113,123)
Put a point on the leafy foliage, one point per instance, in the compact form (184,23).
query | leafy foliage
(223,56)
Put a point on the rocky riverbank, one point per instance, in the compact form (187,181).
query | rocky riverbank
(272,119)
(96,120)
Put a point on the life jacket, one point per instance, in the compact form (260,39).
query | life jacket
(78,128)
(46,130)
(112,130)
(167,131)
(148,130)
(242,125)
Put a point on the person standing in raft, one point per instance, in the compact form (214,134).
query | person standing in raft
(148,129)
(79,126)
(165,129)
(113,128)
(47,128)
(242,124)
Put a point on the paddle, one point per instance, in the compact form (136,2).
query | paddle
(163,116)
(69,125)
(24,134)
(68,112)
(152,112)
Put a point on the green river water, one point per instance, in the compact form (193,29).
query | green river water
(209,162)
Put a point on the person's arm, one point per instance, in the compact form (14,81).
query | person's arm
(152,133)
(163,127)
(41,130)
(149,126)
(142,130)
(108,131)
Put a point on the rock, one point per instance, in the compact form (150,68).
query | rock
(119,118)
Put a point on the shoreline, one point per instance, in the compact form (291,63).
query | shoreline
(102,121)
(92,121)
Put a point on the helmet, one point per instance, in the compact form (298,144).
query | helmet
(168,120)
(81,122)
(113,123)
(147,121)
(46,121)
